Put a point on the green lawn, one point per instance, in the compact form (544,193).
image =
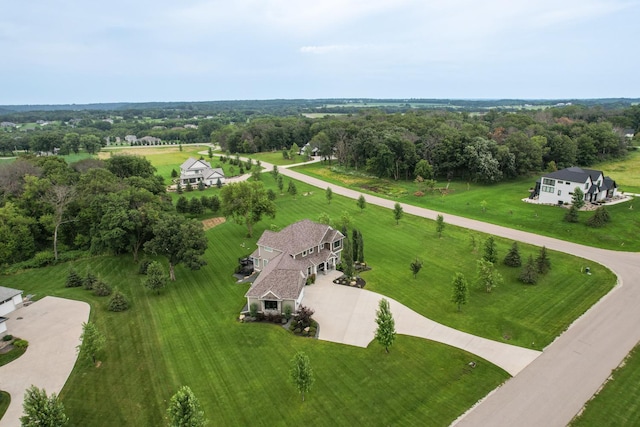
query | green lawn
(11,355)
(504,207)
(618,403)
(188,334)
(626,172)
(275,158)
(5,399)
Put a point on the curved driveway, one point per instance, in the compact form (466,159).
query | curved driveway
(53,327)
(555,386)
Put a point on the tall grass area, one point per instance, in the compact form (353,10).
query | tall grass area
(504,206)
(618,403)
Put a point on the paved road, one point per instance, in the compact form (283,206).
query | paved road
(348,315)
(53,327)
(555,386)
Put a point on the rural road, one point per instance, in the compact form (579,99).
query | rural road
(555,386)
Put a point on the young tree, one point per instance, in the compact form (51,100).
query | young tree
(101,288)
(40,410)
(275,172)
(184,409)
(280,182)
(292,189)
(301,374)
(195,206)
(118,302)
(324,218)
(156,277)
(543,263)
(416,266)
(572,214)
(397,212)
(577,199)
(210,152)
(360,254)
(439,225)
(490,251)
(459,295)
(179,189)
(74,280)
(256,175)
(180,240)
(386,331)
(529,274)
(218,183)
(247,202)
(188,187)
(174,173)
(329,194)
(599,218)
(89,281)
(347,258)
(362,203)
(487,276)
(92,341)
(512,259)
(201,186)
(303,316)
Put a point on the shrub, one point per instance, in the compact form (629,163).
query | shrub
(43,258)
(600,218)
(292,326)
(288,311)
(144,264)
(303,316)
(101,289)
(21,344)
(312,331)
(73,279)
(572,214)
(311,279)
(118,302)
(253,309)
(7,338)
(89,281)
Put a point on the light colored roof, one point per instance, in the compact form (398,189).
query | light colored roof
(283,282)
(191,162)
(6,293)
(299,236)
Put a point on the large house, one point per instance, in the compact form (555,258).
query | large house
(285,259)
(558,187)
(10,299)
(193,171)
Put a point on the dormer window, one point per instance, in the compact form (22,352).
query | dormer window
(311,250)
(336,244)
(304,253)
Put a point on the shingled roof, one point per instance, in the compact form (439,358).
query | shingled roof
(299,236)
(575,174)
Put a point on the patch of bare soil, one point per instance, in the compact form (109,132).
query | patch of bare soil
(212,222)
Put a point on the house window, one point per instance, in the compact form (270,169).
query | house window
(547,181)
(560,182)
(586,186)
(559,192)
(311,250)
(271,305)
(547,189)
(265,262)
(268,249)
(567,182)
(336,244)
(304,253)
(308,271)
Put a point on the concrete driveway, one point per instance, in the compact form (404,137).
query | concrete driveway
(347,315)
(53,327)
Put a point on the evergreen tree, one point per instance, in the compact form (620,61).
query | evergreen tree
(459,295)
(543,264)
(184,410)
(529,274)
(214,203)
(210,153)
(101,288)
(360,257)
(118,302)
(218,183)
(572,214)
(179,188)
(362,203)
(512,259)
(89,281)
(92,341)
(328,194)
(201,186)
(195,206)
(600,218)
(440,225)
(490,251)
(386,331)
(174,173)
(280,181)
(40,410)
(292,189)
(182,205)
(156,277)
(189,187)
(301,374)
(354,242)
(74,280)
(347,258)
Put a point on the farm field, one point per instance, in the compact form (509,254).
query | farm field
(504,206)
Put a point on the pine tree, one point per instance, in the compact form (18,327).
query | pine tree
(490,251)
(89,281)
(439,225)
(40,410)
(360,256)
(292,189)
(529,275)
(459,295)
(92,341)
(512,259)
(189,187)
(179,188)
(543,264)
(572,214)
(74,280)
(386,331)
(201,186)
(184,410)
(301,374)
(347,258)
(118,302)
(182,205)
(280,183)
(101,288)
(600,218)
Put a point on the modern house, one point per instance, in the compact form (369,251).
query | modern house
(193,171)
(285,259)
(10,299)
(558,187)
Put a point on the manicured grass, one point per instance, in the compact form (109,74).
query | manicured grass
(504,207)
(11,355)
(626,172)
(5,400)
(618,403)
(275,158)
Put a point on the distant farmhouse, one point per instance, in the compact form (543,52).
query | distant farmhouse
(286,259)
(558,187)
(10,299)
(193,171)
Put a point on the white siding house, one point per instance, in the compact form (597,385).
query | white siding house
(558,187)
(193,171)
(10,299)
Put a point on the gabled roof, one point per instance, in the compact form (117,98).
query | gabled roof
(212,173)
(575,174)
(609,183)
(6,293)
(299,236)
(191,162)
(278,279)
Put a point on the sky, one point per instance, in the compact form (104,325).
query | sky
(72,51)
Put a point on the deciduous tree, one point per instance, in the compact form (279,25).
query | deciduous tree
(156,277)
(92,341)
(416,266)
(459,295)
(42,410)
(362,203)
(386,331)
(577,200)
(184,409)
(301,374)
(247,202)
(397,212)
(490,250)
(487,275)
(440,225)
(329,194)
